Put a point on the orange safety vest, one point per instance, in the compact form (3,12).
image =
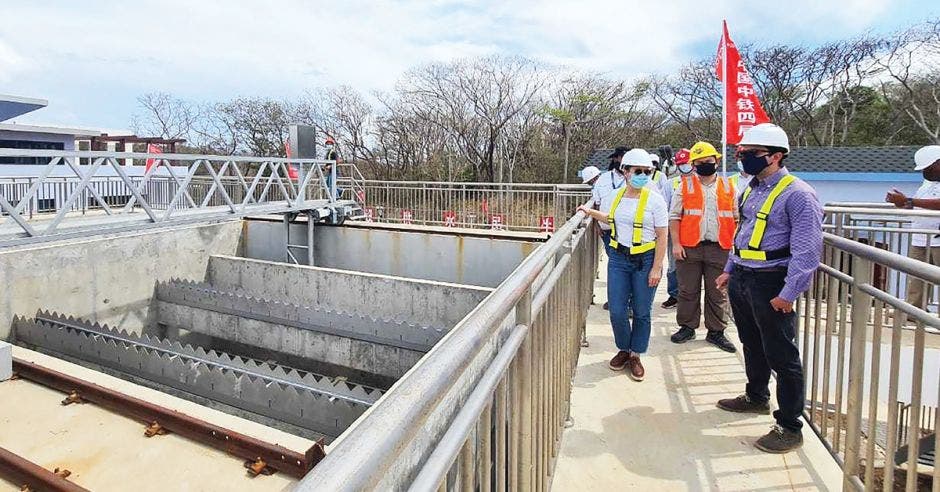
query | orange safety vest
(693,211)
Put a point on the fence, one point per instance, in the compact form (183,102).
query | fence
(867,364)
(888,228)
(512,206)
(174,187)
(484,410)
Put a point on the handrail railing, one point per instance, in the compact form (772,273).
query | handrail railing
(461,408)
(161,188)
(863,354)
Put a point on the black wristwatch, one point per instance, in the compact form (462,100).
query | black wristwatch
(909,203)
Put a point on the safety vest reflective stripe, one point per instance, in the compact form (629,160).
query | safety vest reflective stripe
(760,226)
(693,211)
(638,245)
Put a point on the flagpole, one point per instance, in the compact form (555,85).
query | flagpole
(724,100)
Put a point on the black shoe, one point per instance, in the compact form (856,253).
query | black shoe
(718,339)
(780,440)
(683,335)
(670,303)
(606,306)
(744,404)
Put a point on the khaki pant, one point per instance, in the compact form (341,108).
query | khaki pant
(915,287)
(704,262)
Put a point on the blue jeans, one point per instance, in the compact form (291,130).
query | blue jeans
(672,279)
(605,238)
(628,286)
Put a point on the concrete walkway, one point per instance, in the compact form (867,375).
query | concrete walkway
(665,433)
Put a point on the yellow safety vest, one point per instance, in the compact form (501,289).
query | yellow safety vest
(753,251)
(676,182)
(638,245)
(734,180)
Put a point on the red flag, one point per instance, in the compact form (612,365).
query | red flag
(152,149)
(291,170)
(743,109)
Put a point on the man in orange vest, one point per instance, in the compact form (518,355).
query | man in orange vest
(702,221)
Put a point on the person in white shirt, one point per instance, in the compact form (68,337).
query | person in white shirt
(605,187)
(924,247)
(659,181)
(637,249)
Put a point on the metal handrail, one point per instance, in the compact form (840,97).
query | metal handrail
(381,448)
(843,319)
(88,154)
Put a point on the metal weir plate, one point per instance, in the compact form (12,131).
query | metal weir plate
(302,399)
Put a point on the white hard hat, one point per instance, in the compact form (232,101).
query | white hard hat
(589,173)
(766,135)
(636,158)
(926,156)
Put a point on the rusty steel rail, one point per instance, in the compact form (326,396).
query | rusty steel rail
(257,451)
(31,476)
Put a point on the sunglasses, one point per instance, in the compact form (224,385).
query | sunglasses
(642,171)
(754,153)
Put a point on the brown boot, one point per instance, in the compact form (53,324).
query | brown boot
(619,361)
(635,368)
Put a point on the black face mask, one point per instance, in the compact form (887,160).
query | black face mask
(753,165)
(706,168)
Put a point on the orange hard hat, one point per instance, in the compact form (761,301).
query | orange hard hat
(681,157)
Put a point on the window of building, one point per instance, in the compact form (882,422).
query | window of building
(29,145)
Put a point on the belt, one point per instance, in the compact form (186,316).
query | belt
(706,242)
(625,250)
(760,270)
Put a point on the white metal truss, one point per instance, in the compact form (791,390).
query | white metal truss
(81,192)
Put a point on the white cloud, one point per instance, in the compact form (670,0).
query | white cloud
(92,59)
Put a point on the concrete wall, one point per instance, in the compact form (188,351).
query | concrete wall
(468,260)
(393,298)
(107,279)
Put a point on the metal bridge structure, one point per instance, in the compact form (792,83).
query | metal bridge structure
(75,193)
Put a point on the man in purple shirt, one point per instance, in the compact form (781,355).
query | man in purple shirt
(777,248)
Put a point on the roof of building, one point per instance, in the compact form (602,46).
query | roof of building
(894,159)
(52,130)
(13,106)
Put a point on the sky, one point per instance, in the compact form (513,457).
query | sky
(91,60)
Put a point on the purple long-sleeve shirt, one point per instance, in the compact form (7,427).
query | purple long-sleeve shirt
(794,220)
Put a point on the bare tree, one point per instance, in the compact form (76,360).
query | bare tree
(165,116)
(910,61)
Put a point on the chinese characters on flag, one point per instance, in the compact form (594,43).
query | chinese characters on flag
(407,216)
(743,108)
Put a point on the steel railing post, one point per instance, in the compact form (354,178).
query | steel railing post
(861,310)
(526,470)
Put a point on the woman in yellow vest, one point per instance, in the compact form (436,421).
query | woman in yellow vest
(702,223)
(639,223)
